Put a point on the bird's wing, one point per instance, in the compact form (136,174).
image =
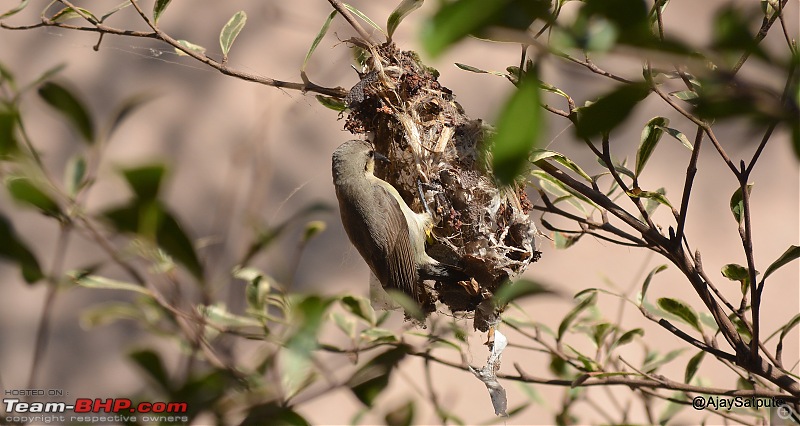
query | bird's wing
(400,268)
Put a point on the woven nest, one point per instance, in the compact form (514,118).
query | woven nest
(479,226)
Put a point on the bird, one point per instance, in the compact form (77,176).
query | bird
(388,235)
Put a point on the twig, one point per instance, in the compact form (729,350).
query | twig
(691,171)
(43,330)
(762,33)
(636,200)
(698,122)
(352,21)
(157,34)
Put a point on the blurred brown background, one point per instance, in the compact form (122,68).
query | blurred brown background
(235,148)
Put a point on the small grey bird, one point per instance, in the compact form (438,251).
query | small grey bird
(385,231)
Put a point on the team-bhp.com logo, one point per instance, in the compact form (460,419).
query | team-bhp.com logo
(19,411)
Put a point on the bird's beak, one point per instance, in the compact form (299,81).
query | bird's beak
(380,157)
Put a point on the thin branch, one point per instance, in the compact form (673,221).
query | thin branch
(605,226)
(762,33)
(601,200)
(768,134)
(337,92)
(691,171)
(698,260)
(698,122)
(610,166)
(43,330)
(352,21)
(746,234)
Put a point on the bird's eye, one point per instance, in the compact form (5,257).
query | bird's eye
(371,153)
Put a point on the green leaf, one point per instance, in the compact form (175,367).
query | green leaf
(679,136)
(620,168)
(28,192)
(565,241)
(200,50)
(692,366)
(657,196)
(511,291)
(145,181)
(331,103)
(364,17)
(50,73)
(731,32)
(651,134)
(74,175)
(15,10)
(151,363)
(409,305)
(315,43)
(541,154)
(455,20)
(108,313)
(359,307)
(68,13)
(312,229)
(680,309)
(399,13)
(545,177)
(151,220)
(672,408)
(116,9)
(588,365)
(6,76)
(626,338)
(8,135)
(230,31)
(685,95)
(792,253)
(373,377)
(649,278)
(610,110)
(219,314)
(735,272)
(273,413)
(95,281)
(15,250)
(787,328)
(346,324)
(258,286)
(125,109)
(476,70)
(600,331)
(158,8)
(172,238)
(737,204)
(65,102)
(654,361)
(403,415)
(518,129)
(584,303)
(373,335)
(307,317)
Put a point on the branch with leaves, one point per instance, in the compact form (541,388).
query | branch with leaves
(703,84)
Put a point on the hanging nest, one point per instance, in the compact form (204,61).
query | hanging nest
(479,226)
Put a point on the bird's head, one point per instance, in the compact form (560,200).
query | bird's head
(354,158)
